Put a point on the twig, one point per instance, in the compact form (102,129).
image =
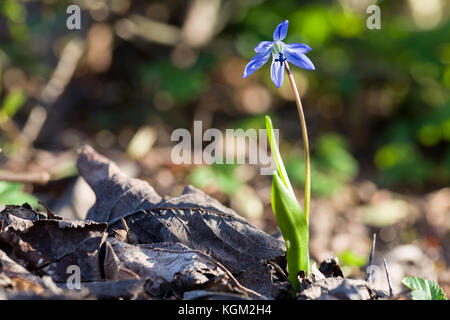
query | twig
(372,252)
(28,177)
(208,12)
(13,132)
(54,88)
(152,30)
(50,214)
(388,276)
(279,269)
(124,223)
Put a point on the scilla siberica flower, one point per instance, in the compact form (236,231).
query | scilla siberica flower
(293,53)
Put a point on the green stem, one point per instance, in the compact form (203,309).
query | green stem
(305,141)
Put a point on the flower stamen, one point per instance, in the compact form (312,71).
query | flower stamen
(281,58)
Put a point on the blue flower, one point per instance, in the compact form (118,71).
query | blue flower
(293,53)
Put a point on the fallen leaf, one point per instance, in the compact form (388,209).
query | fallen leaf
(14,275)
(164,263)
(194,219)
(52,245)
(120,289)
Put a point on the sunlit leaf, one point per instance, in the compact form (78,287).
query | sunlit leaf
(350,258)
(11,193)
(277,157)
(424,289)
(293,227)
(289,215)
(12,103)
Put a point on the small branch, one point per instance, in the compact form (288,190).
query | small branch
(278,268)
(50,214)
(152,30)
(388,276)
(34,177)
(124,223)
(13,132)
(54,88)
(201,21)
(372,252)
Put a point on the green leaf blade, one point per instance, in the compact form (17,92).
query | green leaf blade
(294,228)
(424,289)
(12,103)
(11,193)
(277,157)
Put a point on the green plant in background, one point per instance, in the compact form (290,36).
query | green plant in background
(222,177)
(400,160)
(332,165)
(13,101)
(424,289)
(16,14)
(11,104)
(293,222)
(181,85)
(11,193)
(349,260)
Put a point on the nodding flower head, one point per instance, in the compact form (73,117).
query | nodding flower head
(280,51)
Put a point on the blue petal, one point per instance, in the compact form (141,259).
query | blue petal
(296,47)
(299,59)
(281,31)
(255,63)
(263,46)
(277,72)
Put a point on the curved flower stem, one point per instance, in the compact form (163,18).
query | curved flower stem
(305,141)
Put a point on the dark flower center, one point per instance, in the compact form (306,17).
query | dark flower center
(281,58)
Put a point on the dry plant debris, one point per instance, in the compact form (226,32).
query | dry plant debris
(135,245)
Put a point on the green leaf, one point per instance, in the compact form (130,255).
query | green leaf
(182,85)
(277,157)
(12,103)
(222,177)
(289,215)
(424,289)
(293,226)
(350,258)
(11,193)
